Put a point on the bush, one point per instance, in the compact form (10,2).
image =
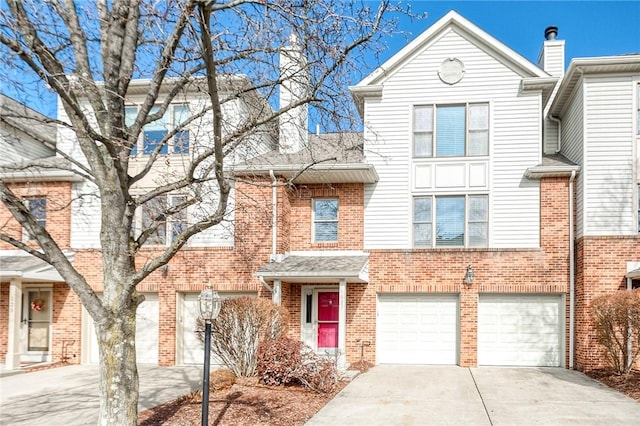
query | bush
(286,361)
(240,327)
(221,379)
(279,361)
(617,322)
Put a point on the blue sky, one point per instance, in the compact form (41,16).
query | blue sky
(589,28)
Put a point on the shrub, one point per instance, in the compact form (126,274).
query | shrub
(286,361)
(239,328)
(279,361)
(617,322)
(221,379)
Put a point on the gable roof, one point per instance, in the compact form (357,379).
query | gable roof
(372,84)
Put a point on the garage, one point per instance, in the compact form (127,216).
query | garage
(146,332)
(417,329)
(190,348)
(520,330)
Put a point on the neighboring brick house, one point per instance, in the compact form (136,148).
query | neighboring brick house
(443,234)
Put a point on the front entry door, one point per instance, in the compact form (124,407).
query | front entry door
(320,319)
(36,325)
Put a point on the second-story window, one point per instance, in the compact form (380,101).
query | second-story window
(325,220)
(155,212)
(37,206)
(451,130)
(155,132)
(450,221)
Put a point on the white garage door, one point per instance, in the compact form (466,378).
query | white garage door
(520,330)
(146,332)
(189,345)
(417,329)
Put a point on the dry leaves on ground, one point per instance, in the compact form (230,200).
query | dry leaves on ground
(628,385)
(245,403)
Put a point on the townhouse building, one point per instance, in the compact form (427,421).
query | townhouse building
(487,201)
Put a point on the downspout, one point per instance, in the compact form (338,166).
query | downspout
(559,123)
(274,217)
(572,275)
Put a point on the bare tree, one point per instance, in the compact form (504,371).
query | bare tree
(94,55)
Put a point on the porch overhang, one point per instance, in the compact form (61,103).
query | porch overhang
(634,275)
(317,268)
(27,268)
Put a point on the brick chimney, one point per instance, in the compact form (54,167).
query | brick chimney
(551,58)
(294,132)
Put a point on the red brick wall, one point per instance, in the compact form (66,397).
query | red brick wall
(543,270)
(66,325)
(601,268)
(350,216)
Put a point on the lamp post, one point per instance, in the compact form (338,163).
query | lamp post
(209,305)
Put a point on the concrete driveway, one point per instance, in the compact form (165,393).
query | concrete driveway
(412,395)
(69,395)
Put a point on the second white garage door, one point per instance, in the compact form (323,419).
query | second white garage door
(190,348)
(417,329)
(520,330)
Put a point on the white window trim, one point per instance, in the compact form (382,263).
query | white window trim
(313,220)
(167,224)
(26,237)
(434,131)
(434,220)
(169,115)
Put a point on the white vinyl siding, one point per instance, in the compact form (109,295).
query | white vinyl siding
(515,143)
(610,187)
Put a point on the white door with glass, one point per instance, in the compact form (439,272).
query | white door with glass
(320,319)
(36,325)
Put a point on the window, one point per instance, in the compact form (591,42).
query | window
(155,212)
(325,220)
(460,130)
(455,220)
(155,132)
(37,206)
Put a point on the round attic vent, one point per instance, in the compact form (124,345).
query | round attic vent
(451,71)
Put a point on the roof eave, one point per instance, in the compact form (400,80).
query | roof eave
(539,172)
(362,172)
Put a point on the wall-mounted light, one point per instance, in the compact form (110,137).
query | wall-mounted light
(468,276)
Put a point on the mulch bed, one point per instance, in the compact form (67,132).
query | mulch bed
(628,385)
(245,403)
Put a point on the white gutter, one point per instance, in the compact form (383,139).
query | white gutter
(572,276)
(274,215)
(559,123)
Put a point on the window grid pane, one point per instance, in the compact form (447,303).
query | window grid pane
(478,220)
(450,221)
(181,137)
(422,221)
(153,212)
(154,133)
(423,131)
(450,131)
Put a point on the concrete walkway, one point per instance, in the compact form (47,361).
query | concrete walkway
(69,395)
(411,395)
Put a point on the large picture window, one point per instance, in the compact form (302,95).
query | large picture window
(451,221)
(451,130)
(325,220)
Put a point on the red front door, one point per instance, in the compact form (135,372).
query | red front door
(328,308)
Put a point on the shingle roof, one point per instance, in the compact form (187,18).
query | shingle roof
(27,120)
(318,268)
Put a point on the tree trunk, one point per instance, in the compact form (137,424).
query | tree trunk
(118,369)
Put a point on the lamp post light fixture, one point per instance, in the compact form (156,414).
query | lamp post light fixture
(209,304)
(469,276)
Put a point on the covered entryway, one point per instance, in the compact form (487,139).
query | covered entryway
(147,321)
(520,330)
(324,277)
(190,348)
(417,328)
